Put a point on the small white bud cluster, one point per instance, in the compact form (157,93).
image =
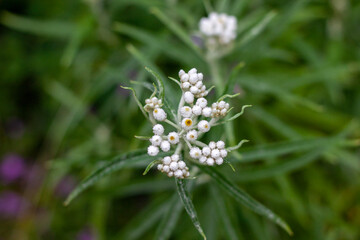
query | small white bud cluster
(213,153)
(174,167)
(192,85)
(219,28)
(152,103)
(157,141)
(219,109)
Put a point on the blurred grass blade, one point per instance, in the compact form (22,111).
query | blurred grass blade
(159,82)
(117,163)
(262,152)
(231,82)
(280,168)
(46,28)
(178,31)
(169,220)
(245,198)
(189,206)
(257,29)
(222,210)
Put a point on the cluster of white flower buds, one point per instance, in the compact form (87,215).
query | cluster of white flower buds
(219,28)
(219,109)
(154,105)
(174,167)
(192,85)
(190,124)
(210,154)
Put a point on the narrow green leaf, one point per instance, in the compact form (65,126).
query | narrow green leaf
(178,31)
(175,81)
(280,168)
(257,29)
(117,163)
(137,101)
(150,166)
(222,210)
(189,206)
(237,115)
(170,218)
(244,198)
(272,150)
(47,28)
(159,82)
(228,96)
(234,73)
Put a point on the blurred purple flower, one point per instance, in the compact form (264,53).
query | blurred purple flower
(10,204)
(65,186)
(12,168)
(86,234)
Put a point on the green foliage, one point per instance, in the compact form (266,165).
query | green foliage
(295,62)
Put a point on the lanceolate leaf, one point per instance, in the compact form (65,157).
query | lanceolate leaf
(117,163)
(189,206)
(159,82)
(245,198)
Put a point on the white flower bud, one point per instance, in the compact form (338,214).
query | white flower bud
(185,111)
(215,153)
(220,144)
(200,76)
(152,150)
(166,160)
(202,159)
(209,161)
(192,71)
(159,114)
(185,85)
(186,123)
(202,102)
(192,135)
(166,168)
(219,161)
(181,164)
(154,100)
(199,85)
(158,129)
(165,146)
(160,167)
(189,97)
(206,112)
(175,157)
(193,79)
(195,152)
(206,151)
(170,174)
(197,110)
(156,140)
(174,166)
(173,138)
(203,126)
(181,72)
(212,145)
(194,90)
(184,78)
(178,174)
(221,104)
(223,153)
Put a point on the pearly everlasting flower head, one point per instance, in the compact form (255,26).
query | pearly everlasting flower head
(195,117)
(218,28)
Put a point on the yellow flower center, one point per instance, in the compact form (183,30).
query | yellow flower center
(172,138)
(188,122)
(155,111)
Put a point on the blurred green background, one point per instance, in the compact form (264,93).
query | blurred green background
(62,114)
